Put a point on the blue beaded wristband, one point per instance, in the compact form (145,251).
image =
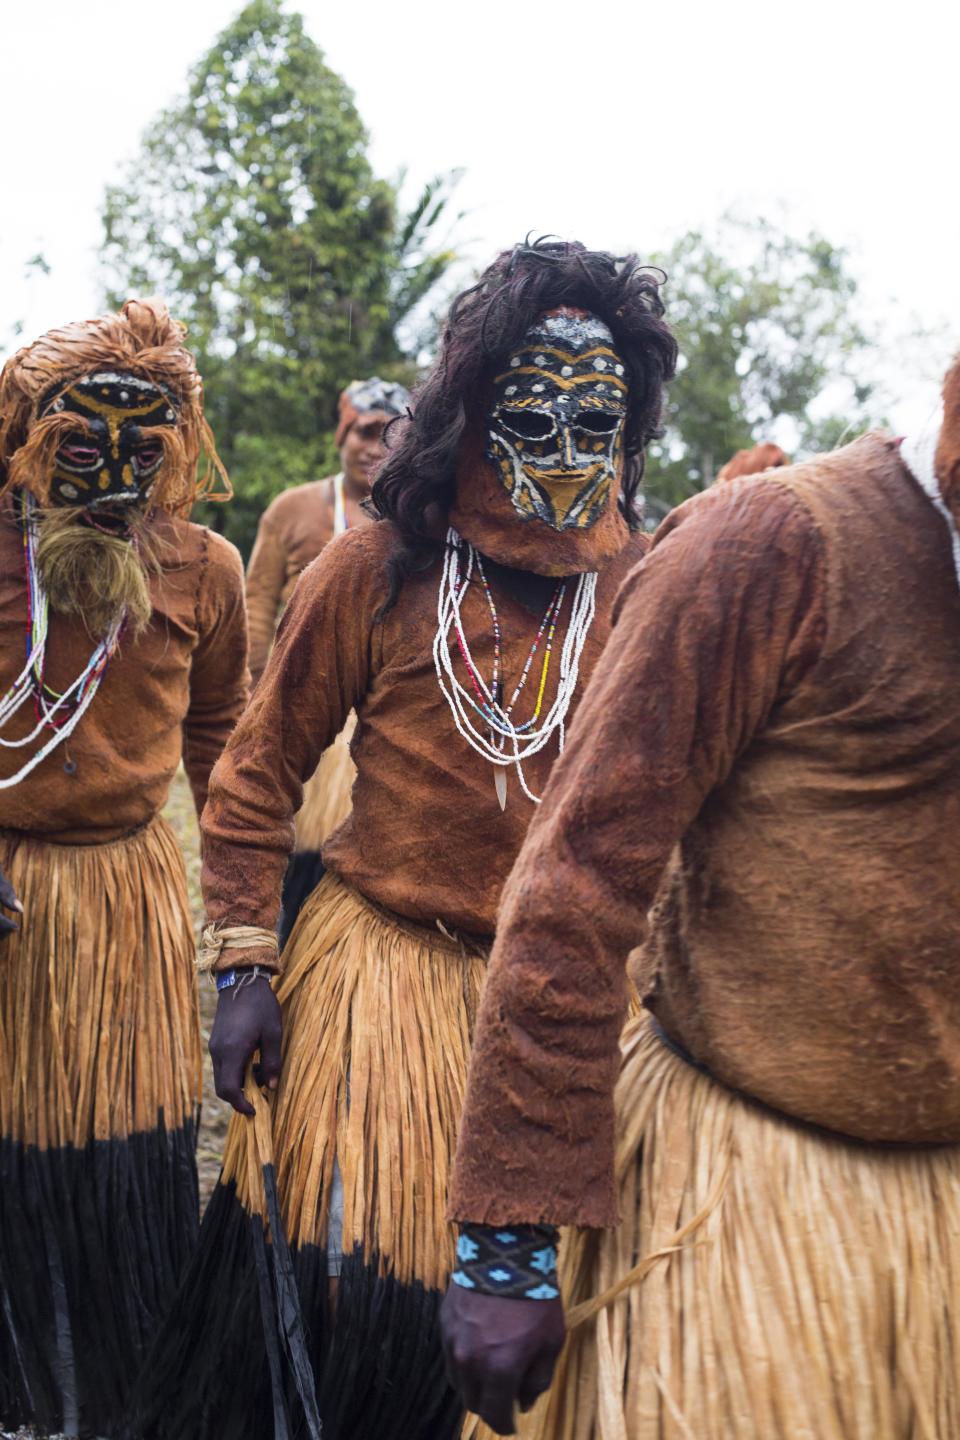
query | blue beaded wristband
(516,1261)
(227,979)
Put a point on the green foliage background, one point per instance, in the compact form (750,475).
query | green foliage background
(771,348)
(252,208)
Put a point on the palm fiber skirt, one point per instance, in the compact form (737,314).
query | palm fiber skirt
(768,1281)
(378,1015)
(100,1051)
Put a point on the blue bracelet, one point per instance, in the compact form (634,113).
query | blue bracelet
(517,1261)
(227,979)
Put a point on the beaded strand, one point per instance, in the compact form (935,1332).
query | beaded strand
(30,682)
(499,731)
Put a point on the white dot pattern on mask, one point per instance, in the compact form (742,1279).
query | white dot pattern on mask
(566,370)
(69,491)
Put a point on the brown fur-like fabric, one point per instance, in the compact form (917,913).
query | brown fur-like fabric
(948,449)
(427,838)
(141,339)
(176,689)
(292,531)
(753,462)
(770,749)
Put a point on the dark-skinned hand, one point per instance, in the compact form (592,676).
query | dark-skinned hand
(247,1019)
(500,1352)
(9,901)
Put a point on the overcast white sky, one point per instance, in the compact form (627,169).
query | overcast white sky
(617,123)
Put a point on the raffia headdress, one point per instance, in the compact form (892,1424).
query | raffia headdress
(141,339)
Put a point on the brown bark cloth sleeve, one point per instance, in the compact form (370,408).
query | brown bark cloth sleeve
(720,617)
(266,578)
(317,673)
(219,678)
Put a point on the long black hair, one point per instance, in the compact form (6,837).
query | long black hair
(485,325)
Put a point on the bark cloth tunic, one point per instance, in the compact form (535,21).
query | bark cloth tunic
(99,1032)
(774,768)
(379,989)
(293,530)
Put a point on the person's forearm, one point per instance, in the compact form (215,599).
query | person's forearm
(710,623)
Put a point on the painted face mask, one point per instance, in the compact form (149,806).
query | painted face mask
(111,463)
(556,422)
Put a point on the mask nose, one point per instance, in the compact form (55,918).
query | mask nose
(568,446)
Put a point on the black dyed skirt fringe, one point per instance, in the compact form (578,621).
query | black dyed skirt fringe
(379,1371)
(93,1242)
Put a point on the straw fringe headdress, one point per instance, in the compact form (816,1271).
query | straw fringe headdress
(141,339)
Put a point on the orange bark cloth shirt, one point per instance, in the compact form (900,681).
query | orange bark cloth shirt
(293,530)
(426,837)
(178,689)
(771,748)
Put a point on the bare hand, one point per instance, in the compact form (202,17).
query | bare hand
(247,1019)
(9,901)
(500,1352)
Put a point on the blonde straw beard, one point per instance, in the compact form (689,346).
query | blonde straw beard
(96,576)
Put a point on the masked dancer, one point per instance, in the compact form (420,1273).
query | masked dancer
(123,648)
(460,628)
(293,530)
(770,749)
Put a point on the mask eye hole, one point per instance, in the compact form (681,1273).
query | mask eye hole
(147,456)
(79,451)
(527,424)
(598,422)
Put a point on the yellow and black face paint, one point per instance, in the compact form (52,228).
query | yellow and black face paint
(114,456)
(557,419)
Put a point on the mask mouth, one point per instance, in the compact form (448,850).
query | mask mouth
(112,514)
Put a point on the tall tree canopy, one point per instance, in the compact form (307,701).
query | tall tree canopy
(768,334)
(252,208)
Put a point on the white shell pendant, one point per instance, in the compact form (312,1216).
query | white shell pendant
(500,780)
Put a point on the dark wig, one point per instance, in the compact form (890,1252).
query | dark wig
(486,323)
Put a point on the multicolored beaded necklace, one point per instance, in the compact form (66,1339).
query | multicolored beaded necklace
(498,730)
(60,712)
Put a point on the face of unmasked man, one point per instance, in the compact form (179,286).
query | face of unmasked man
(556,422)
(92,552)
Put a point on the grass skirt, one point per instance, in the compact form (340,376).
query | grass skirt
(771,1282)
(378,1016)
(100,1049)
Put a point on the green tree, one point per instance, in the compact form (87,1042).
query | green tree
(770,347)
(252,208)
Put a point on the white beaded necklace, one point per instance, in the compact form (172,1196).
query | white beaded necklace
(500,741)
(29,683)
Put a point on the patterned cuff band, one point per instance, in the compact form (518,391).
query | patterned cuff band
(518,1261)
